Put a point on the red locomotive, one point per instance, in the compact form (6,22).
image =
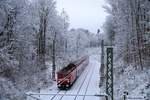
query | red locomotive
(67,76)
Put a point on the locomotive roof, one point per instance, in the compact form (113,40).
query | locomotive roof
(77,62)
(72,65)
(66,69)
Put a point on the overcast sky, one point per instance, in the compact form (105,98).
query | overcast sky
(88,14)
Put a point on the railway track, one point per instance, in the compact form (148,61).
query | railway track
(55,95)
(81,85)
(88,83)
(63,95)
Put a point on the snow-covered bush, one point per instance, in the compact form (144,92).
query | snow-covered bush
(9,91)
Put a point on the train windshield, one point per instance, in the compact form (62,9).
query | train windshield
(65,71)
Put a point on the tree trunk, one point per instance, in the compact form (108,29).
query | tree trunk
(138,35)
(54,57)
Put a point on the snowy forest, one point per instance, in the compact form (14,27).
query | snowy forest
(127,28)
(33,35)
(36,41)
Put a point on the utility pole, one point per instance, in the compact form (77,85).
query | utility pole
(101,71)
(54,57)
(66,46)
(78,45)
(102,67)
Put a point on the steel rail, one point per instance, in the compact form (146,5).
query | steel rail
(81,86)
(63,95)
(30,95)
(55,95)
(88,83)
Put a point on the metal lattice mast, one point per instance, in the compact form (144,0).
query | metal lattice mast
(109,73)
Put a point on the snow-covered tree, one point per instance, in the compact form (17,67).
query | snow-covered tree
(129,20)
(26,37)
(109,30)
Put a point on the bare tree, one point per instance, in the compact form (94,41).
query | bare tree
(43,12)
(54,57)
(78,45)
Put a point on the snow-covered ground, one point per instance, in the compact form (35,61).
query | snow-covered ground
(85,88)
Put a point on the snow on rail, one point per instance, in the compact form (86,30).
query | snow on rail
(85,88)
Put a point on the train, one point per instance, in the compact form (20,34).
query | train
(69,74)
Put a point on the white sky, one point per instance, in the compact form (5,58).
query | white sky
(88,14)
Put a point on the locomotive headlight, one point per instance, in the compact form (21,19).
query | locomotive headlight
(68,81)
(67,85)
(58,81)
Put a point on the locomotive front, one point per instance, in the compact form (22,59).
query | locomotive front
(66,76)
(62,81)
